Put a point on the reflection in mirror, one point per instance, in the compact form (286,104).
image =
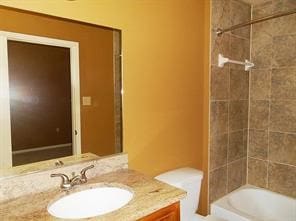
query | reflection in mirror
(40,101)
(60,88)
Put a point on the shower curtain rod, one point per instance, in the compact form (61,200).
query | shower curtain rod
(220,31)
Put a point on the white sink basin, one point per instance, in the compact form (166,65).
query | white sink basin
(89,203)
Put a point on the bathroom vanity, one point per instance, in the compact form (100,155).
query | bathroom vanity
(29,196)
(169,213)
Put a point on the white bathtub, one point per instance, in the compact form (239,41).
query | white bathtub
(250,203)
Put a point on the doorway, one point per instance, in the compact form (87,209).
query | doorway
(40,102)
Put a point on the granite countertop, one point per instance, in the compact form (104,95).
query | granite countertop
(150,195)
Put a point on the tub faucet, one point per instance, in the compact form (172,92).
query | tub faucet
(68,183)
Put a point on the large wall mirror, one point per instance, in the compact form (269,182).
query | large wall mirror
(60,84)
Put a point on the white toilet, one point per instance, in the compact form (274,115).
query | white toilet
(189,180)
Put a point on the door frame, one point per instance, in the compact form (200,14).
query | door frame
(5,123)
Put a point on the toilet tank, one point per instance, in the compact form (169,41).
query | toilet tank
(189,180)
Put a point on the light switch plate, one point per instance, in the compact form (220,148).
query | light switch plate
(86,101)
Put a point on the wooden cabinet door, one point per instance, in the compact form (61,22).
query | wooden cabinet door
(169,213)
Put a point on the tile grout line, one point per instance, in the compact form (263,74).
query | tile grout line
(269,107)
(224,165)
(228,124)
(268,128)
(239,100)
(274,131)
(249,101)
(228,117)
(277,162)
(228,100)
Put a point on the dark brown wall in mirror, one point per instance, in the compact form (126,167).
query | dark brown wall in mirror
(40,101)
(40,95)
(96,71)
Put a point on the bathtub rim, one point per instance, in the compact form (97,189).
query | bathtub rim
(223,203)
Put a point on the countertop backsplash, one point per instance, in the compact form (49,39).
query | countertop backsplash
(13,187)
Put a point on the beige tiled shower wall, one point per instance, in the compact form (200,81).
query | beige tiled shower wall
(272,133)
(229,99)
(270,145)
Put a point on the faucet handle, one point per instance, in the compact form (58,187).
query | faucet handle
(83,172)
(66,184)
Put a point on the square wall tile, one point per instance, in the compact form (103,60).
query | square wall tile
(220,13)
(220,45)
(283,115)
(259,114)
(218,183)
(283,83)
(282,179)
(238,115)
(219,117)
(257,172)
(262,10)
(261,52)
(239,50)
(236,174)
(239,84)
(240,12)
(236,146)
(284,25)
(258,144)
(260,84)
(218,151)
(283,5)
(282,148)
(284,51)
(219,83)
(262,30)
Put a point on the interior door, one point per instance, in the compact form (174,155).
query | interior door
(40,102)
(39,99)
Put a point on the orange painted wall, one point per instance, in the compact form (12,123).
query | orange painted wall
(164,73)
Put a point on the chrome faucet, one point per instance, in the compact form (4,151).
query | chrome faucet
(68,183)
